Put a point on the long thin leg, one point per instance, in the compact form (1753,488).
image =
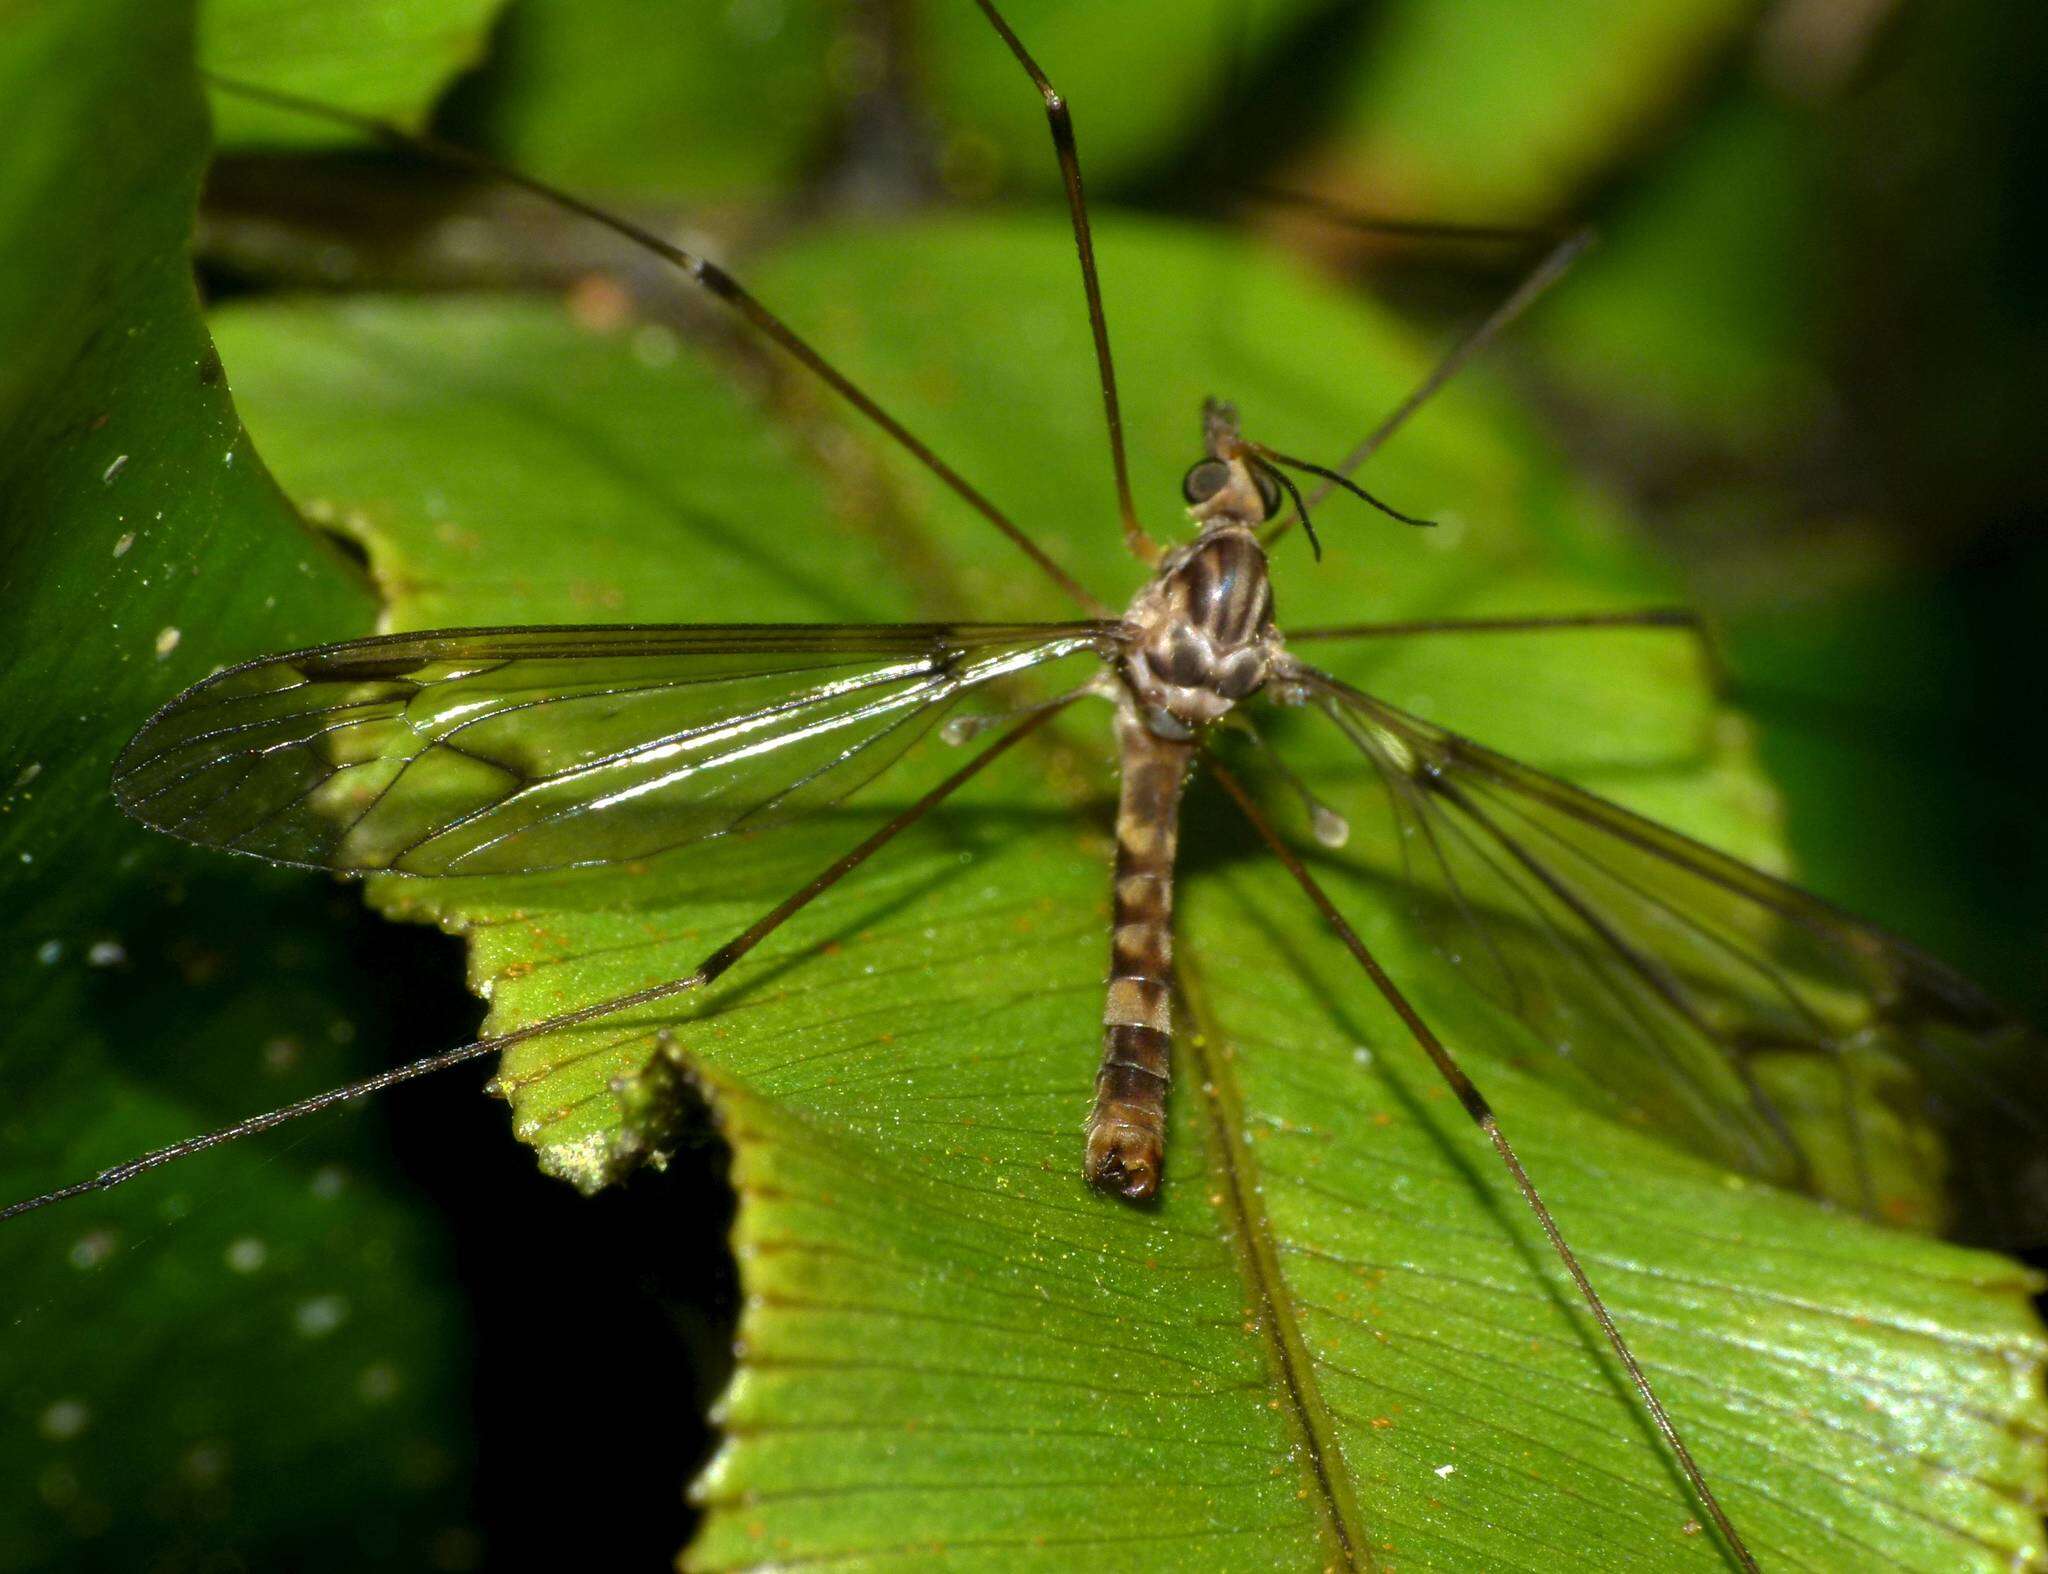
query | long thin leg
(1482,1116)
(1233,46)
(1645,617)
(1540,623)
(1541,278)
(706,971)
(1391,228)
(1330,827)
(1062,122)
(721,285)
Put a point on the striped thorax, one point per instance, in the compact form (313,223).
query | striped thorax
(1202,635)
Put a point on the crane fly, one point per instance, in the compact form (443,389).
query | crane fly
(1681,982)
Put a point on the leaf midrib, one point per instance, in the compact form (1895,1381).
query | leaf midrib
(1250,1240)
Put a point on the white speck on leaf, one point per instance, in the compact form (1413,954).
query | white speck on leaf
(319,1317)
(64,1420)
(247,1254)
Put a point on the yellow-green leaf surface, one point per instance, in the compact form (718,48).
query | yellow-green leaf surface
(388,58)
(1191,55)
(1485,111)
(731,105)
(1698,306)
(1339,1340)
(1493,113)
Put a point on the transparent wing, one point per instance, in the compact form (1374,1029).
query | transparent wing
(508,751)
(1727,1010)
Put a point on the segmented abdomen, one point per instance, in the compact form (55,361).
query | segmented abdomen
(1127,1130)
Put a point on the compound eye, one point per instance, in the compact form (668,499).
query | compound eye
(1269,489)
(1204,481)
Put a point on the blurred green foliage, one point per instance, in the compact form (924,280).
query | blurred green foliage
(1800,353)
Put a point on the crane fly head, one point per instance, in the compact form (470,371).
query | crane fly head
(1241,482)
(1233,484)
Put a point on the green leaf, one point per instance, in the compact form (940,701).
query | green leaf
(1697,312)
(730,108)
(1338,1339)
(244,1355)
(1340,1335)
(386,58)
(1494,113)
(992,121)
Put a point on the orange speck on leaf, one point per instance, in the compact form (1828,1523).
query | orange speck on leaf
(599,303)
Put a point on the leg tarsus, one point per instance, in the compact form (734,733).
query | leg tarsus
(1061,121)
